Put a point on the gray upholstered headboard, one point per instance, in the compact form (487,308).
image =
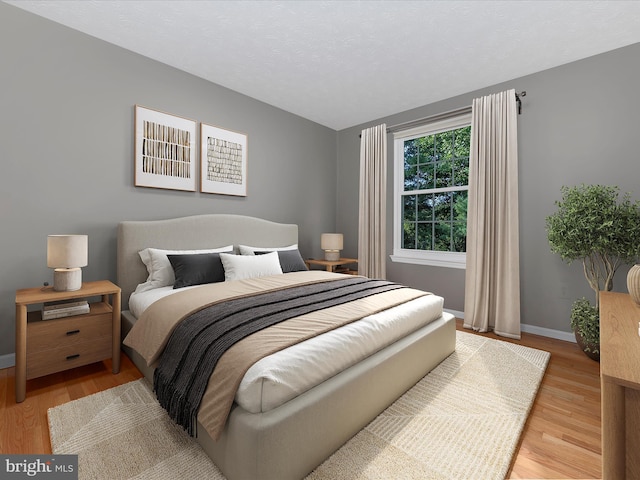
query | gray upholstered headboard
(190,233)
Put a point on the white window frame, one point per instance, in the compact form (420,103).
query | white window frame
(420,257)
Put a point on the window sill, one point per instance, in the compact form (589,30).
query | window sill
(434,259)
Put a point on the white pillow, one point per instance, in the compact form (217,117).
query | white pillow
(247,250)
(237,267)
(159,268)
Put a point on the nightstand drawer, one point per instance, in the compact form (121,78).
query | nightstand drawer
(61,332)
(46,361)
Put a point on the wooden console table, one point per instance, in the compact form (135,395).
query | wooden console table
(620,383)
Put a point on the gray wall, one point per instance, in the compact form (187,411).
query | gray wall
(66,134)
(579,124)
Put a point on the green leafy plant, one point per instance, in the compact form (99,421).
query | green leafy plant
(593,226)
(585,320)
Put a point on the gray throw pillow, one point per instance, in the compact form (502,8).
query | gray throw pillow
(196,269)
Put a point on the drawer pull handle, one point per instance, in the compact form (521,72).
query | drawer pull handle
(71,357)
(73,332)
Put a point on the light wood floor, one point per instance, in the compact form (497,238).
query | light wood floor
(561,438)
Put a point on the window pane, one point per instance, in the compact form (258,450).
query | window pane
(460,206)
(444,145)
(426,176)
(409,235)
(462,142)
(409,208)
(410,152)
(425,149)
(442,240)
(444,174)
(410,178)
(442,206)
(410,164)
(425,236)
(425,207)
(461,171)
(459,237)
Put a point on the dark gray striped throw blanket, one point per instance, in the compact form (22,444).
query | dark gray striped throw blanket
(199,341)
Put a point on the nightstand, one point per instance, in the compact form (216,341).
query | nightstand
(49,346)
(337,266)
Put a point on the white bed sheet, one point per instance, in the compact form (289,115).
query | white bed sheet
(286,374)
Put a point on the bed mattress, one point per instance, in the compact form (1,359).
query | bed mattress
(279,377)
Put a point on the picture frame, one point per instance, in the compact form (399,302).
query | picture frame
(165,150)
(223,161)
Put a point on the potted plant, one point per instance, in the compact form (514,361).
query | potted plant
(593,225)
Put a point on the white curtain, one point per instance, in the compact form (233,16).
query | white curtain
(373,202)
(492,280)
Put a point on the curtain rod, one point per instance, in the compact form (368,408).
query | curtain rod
(518,101)
(444,115)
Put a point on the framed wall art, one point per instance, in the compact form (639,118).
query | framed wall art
(165,150)
(223,161)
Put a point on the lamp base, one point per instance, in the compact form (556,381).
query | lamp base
(67,279)
(332,255)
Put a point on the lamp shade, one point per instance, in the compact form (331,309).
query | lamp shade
(67,251)
(331,241)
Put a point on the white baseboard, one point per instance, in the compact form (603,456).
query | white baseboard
(548,332)
(457,313)
(7,361)
(533,329)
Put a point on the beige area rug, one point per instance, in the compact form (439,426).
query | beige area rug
(462,421)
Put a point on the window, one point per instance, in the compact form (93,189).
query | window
(431,168)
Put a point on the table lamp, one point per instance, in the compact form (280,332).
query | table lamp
(331,243)
(66,254)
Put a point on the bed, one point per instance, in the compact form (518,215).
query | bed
(288,439)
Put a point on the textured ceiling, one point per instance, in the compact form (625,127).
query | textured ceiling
(342,63)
